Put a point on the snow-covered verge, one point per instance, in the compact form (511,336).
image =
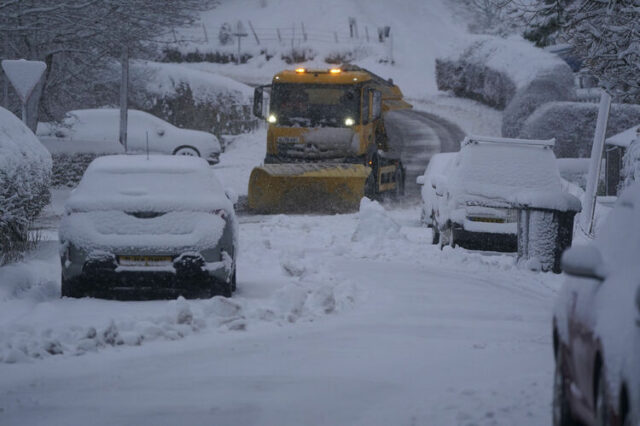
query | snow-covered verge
(25,173)
(484,70)
(573,125)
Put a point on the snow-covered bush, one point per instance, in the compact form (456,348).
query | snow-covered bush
(492,69)
(68,167)
(631,165)
(548,86)
(193,99)
(25,172)
(573,125)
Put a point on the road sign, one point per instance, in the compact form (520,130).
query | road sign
(24,75)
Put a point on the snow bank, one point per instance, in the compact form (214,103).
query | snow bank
(374,222)
(573,125)
(484,69)
(25,173)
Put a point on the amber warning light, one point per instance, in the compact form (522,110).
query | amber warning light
(335,70)
(300,70)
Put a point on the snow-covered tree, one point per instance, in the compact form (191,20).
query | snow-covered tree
(79,40)
(546,19)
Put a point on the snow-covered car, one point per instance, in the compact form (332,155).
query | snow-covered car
(596,324)
(475,200)
(159,226)
(437,167)
(97,131)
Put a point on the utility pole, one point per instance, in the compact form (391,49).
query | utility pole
(124,96)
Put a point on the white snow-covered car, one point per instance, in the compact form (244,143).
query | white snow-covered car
(138,226)
(97,131)
(436,169)
(596,324)
(475,199)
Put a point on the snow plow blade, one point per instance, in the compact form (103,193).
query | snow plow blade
(307,188)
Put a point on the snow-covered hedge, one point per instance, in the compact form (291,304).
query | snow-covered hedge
(68,167)
(25,173)
(631,164)
(549,86)
(492,69)
(190,98)
(573,125)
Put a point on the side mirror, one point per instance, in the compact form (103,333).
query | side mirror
(258,96)
(439,183)
(420,180)
(583,261)
(231,195)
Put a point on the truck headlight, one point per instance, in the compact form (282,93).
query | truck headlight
(349,121)
(272,119)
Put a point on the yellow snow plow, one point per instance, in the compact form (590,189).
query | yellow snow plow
(326,143)
(301,188)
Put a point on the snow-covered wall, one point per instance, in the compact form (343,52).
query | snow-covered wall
(25,172)
(573,125)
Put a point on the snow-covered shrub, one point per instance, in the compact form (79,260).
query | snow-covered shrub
(492,69)
(552,85)
(573,125)
(631,165)
(68,167)
(193,99)
(25,172)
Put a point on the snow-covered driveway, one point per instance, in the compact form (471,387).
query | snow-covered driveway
(332,324)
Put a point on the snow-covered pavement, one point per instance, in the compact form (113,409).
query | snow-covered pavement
(336,321)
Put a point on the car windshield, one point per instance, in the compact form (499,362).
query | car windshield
(312,105)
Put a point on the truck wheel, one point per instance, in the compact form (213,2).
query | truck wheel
(435,239)
(399,178)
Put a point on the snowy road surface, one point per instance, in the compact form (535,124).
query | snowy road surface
(347,319)
(419,135)
(323,330)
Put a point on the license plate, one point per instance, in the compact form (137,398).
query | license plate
(288,139)
(145,260)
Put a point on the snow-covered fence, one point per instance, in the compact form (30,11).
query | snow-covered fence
(572,124)
(297,42)
(25,171)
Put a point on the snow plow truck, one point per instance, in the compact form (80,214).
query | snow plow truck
(327,145)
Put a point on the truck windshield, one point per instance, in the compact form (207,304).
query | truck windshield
(315,105)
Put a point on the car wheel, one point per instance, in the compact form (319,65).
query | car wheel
(66,289)
(399,178)
(561,409)
(435,236)
(603,417)
(187,151)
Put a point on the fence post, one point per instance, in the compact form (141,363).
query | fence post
(206,36)
(254,33)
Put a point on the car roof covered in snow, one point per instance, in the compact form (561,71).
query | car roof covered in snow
(156,183)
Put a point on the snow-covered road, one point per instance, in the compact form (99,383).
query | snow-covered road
(323,330)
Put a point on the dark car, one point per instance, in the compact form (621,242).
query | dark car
(596,324)
(141,227)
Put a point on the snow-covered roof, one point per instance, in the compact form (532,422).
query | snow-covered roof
(625,138)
